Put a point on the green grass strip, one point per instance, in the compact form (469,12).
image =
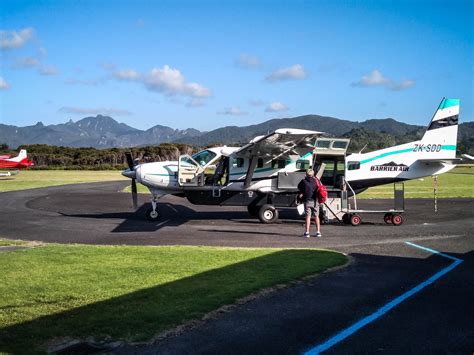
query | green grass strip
(31,179)
(132,293)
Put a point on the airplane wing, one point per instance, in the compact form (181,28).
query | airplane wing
(280,144)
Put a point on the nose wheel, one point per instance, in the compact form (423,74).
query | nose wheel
(152,214)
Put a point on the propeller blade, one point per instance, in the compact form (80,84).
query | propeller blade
(130,164)
(134,194)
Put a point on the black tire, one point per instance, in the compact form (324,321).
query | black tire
(267,214)
(397,220)
(388,218)
(152,216)
(253,210)
(356,220)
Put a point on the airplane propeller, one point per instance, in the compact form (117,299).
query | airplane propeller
(132,175)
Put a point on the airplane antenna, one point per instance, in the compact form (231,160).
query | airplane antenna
(363,148)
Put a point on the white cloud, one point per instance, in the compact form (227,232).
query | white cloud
(232,111)
(166,80)
(295,72)
(276,107)
(15,39)
(376,78)
(94,111)
(48,70)
(3,84)
(170,81)
(248,61)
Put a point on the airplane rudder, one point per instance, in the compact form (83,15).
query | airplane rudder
(444,124)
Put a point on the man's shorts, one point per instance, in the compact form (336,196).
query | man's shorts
(311,207)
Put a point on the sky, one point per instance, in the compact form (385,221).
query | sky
(208,64)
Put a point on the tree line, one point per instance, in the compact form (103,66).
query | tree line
(68,158)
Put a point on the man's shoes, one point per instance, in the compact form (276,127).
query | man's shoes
(306,235)
(318,235)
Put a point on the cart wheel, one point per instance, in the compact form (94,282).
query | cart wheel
(388,218)
(397,219)
(356,220)
(346,218)
(267,214)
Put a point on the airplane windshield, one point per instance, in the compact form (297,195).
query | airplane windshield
(203,157)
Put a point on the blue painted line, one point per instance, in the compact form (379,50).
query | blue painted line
(388,306)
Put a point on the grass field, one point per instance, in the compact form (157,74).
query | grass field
(132,293)
(30,179)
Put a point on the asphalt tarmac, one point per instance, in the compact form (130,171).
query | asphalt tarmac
(429,296)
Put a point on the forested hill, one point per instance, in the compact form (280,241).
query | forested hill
(104,132)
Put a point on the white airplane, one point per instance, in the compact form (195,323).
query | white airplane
(263,174)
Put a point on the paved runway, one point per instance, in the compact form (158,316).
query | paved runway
(437,319)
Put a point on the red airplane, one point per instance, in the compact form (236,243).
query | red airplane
(19,162)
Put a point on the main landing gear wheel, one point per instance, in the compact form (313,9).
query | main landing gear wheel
(356,220)
(152,214)
(397,219)
(267,214)
(388,218)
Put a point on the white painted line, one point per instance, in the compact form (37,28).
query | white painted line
(329,343)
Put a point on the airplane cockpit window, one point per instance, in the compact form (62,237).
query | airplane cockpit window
(203,157)
(353,165)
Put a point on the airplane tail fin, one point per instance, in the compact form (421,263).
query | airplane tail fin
(442,131)
(22,155)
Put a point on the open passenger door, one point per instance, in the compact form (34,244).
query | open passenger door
(190,173)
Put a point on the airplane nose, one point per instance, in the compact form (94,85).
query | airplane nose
(131,174)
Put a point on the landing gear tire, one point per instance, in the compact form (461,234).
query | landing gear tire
(397,219)
(267,214)
(152,215)
(388,218)
(253,210)
(356,220)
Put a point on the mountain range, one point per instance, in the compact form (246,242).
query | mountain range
(105,132)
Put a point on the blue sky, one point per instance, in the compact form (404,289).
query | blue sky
(208,64)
